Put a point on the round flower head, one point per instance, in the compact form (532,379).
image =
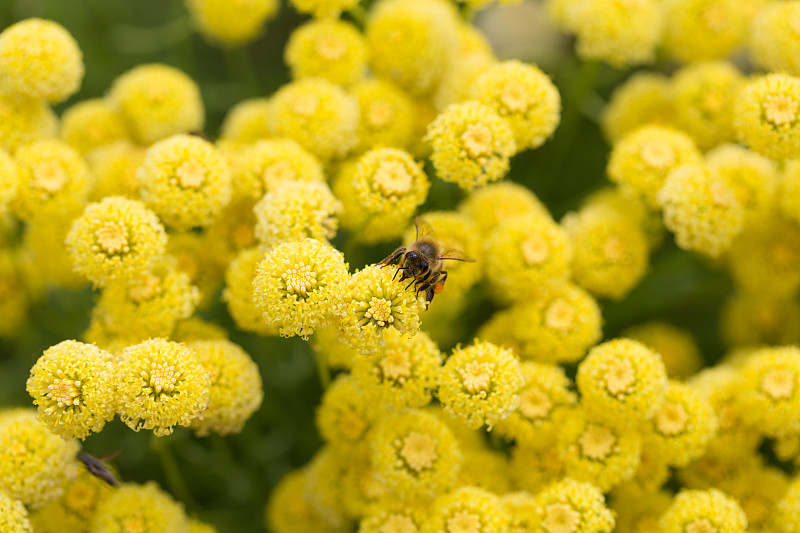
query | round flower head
(24,119)
(115,240)
(9,180)
(289,511)
(755,320)
(402,374)
(520,507)
(426,33)
(196,329)
(39,58)
(265,164)
(570,506)
(13,515)
(480,384)
(524,96)
(611,250)
(677,348)
(247,121)
(398,517)
(532,468)
(140,508)
(699,30)
(234,229)
(301,285)
(238,293)
(297,210)
(160,384)
(637,510)
(758,489)
(235,392)
(415,455)
(324,485)
(765,259)
(196,255)
(784,513)
(770,390)
(753,177)
(701,208)
(642,99)
(640,162)
(774,37)
(767,115)
(789,197)
(323,9)
(377,303)
(51,173)
(485,468)
(471,144)
(488,206)
(459,78)
(345,415)
(544,395)
(467,509)
(185,180)
(231,23)
(336,354)
(319,115)
(329,49)
(622,381)
(527,255)
(634,208)
(387,115)
(157,101)
(74,510)
(703,510)
(92,123)
(114,168)
(360,489)
(71,386)
(34,463)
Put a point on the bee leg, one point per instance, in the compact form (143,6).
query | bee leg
(393,257)
(398,270)
(429,295)
(413,281)
(429,283)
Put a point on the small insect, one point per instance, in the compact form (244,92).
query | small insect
(97,468)
(423,260)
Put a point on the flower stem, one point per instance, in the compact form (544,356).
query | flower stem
(175,482)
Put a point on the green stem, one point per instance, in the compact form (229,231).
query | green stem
(241,68)
(323,370)
(177,485)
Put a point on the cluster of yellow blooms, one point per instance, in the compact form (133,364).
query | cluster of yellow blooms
(498,436)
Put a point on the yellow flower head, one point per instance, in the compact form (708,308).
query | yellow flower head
(520,507)
(471,144)
(231,23)
(324,485)
(527,255)
(235,392)
(301,285)
(345,415)
(532,468)
(71,386)
(642,99)
(758,489)
(329,49)
(774,35)
(480,384)
(297,210)
(140,508)
(234,229)
(403,373)
(238,293)
(44,257)
(634,208)
(13,515)
(753,177)
(34,463)
(247,121)
(570,506)
(412,42)
(460,77)
(262,166)
(696,511)
(397,517)
(789,197)
(289,511)
(377,303)
(524,96)
(318,114)
(51,174)
(323,9)
(387,115)
(160,384)
(24,119)
(767,115)
(701,208)
(676,346)
(415,455)
(195,329)
(114,168)
(74,510)
(488,206)
(637,510)
(39,58)
(115,240)
(770,390)
(784,514)
(336,354)
(757,320)
(622,382)
(196,254)
(157,101)
(467,510)
(90,124)
(9,182)
(640,162)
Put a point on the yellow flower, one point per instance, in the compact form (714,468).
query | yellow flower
(323,8)
(753,177)
(676,346)
(622,382)
(766,115)
(336,354)
(480,384)
(195,329)
(460,77)
(634,208)
(329,49)
(238,293)
(387,115)
(757,320)
(471,144)
(770,390)
(697,510)
(323,490)
(296,210)
(159,385)
(197,256)
(789,197)
(34,463)
(317,114)
(263,165)
(235,392)
(185,180)
(784,514)
(520,507)
(359,488)
(74,510)
(637,510)
(140,508)
(157,101)
(92,123)
(467,510)
(758,489)
(234,230)
(289,511)
(10,181)
(642,99)
(570,506)
(301,285)
(532,468)
(345,415)
(24,119)
(13,515)
(488,206)
(774,37)
(485,468)
(114,168)
(39,58)
(415,455)
(231,23)
(524,96)
(397,517)
(247,121)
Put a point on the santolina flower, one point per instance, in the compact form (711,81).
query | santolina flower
(759,320)
(196,256)
(329,49)
(142,508)
(238,293)
(10,181)
(24,119)
(490,205)
(231,23)
(345,416)
(467,509)
(753,178)
(676,346)
(323,490)
(289,511)
(263,165)
(74,510)
(247,121)
(774,37)
(114,168)
(569,506)
(13,515)
(770,398)
(642,99)
(44,254)
(766,115)
(296,210)
(92,123)
(698,510)
(387,115)
(698,30)
(325,9)
(159,385)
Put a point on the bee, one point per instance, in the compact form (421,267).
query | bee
(423,261)
(97,468)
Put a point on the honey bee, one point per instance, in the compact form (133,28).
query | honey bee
(423,261)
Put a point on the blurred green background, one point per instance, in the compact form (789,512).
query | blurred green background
(227,481)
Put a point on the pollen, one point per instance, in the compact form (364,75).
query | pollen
(113,238)
(162,377)
(619,376)
(560,316)
(535,403)
(50,176)
(477,377)
(515,97)
(380,310)
(147,287)
(64,391)
(613,248)
(702,525)
(722,195)
(535,250)
(477,139)
(279,171)
(191,175)
(396,365)
(419,451)
(379,113)
(305,105)
(778,383)
(393,178)
(671,419)
(300,279)
(331,48)
(597,442)
(561,518)
(658,154)
(398,524)
(780,109)
(464,522)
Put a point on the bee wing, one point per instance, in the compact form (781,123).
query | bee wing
(456,255)
(423,228)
